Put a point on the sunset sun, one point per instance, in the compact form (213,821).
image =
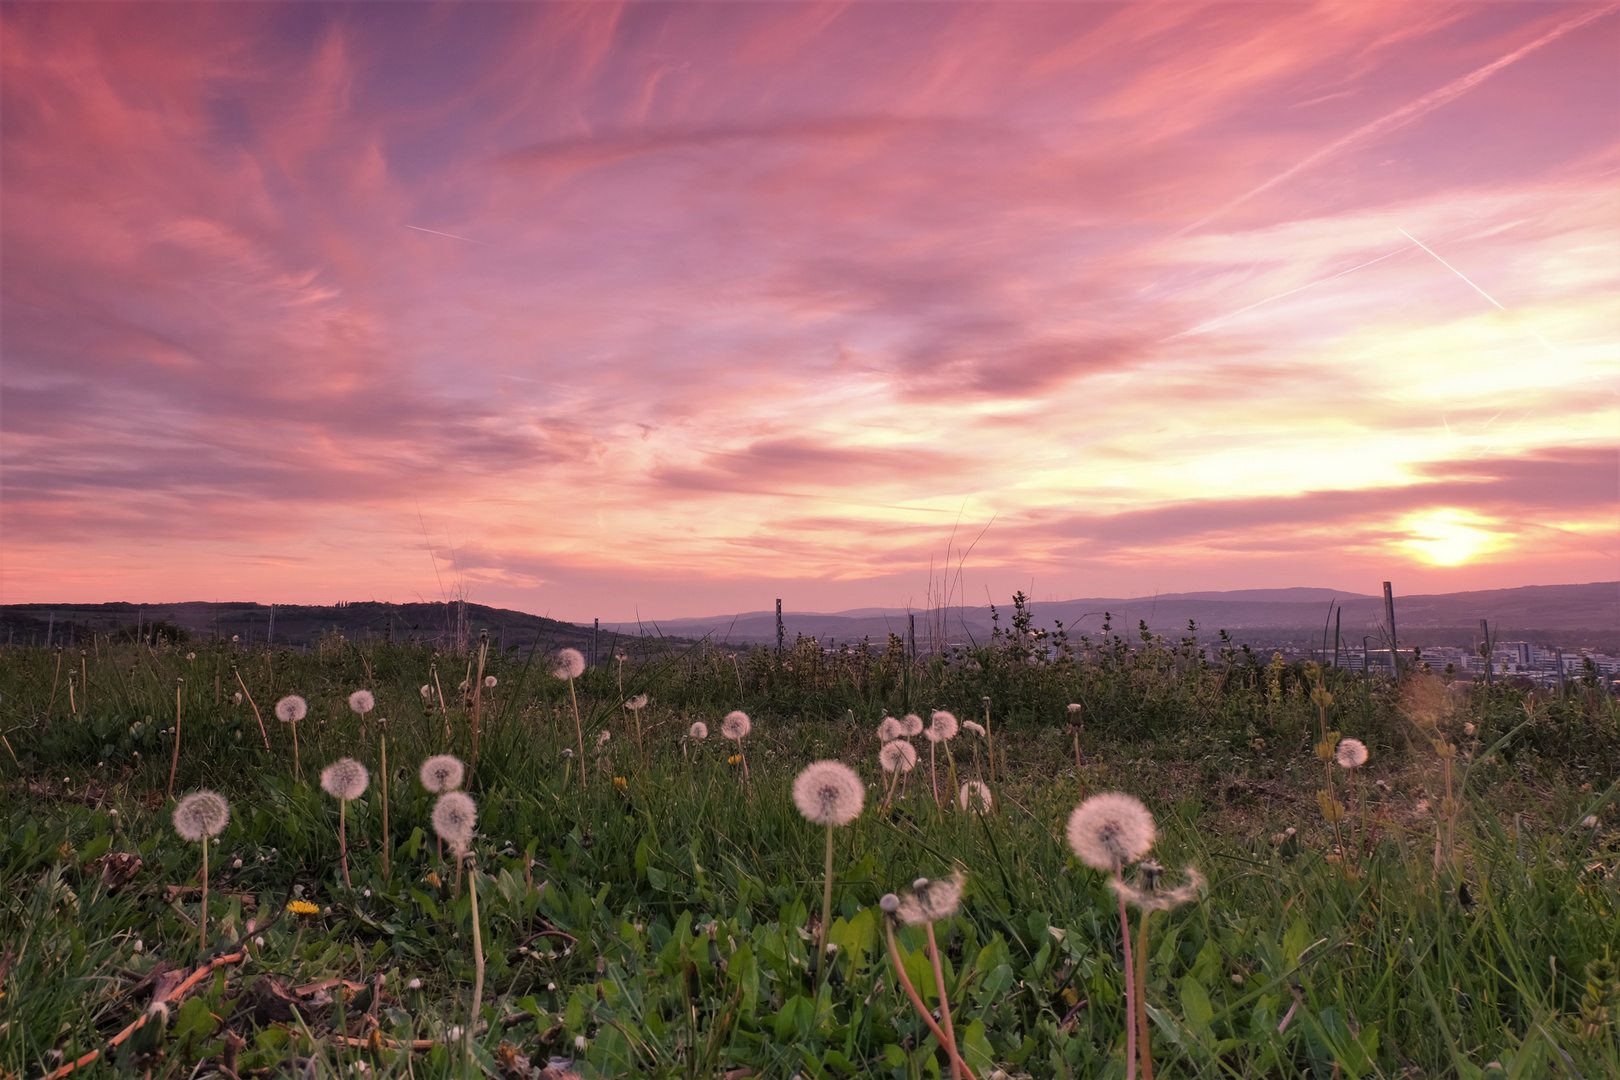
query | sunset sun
(1448,537)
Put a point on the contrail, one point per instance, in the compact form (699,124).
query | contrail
(452,236)
(1530,329)
(1409,112)
(1453,269)
(1290,292)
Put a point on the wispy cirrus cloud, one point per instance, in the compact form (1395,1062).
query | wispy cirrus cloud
(768,297)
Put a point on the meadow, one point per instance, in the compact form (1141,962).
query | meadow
(650,903)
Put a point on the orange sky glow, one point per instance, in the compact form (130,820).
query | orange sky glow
(673,309)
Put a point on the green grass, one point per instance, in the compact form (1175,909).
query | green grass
(665,924)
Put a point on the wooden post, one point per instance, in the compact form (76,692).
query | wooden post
(1389,614)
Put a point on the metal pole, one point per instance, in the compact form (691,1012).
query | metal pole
(1389,613)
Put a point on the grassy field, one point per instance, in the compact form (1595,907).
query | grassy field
(1452,908)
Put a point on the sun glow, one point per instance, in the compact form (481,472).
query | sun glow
(1448,537)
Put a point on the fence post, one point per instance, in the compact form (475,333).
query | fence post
(1389,614)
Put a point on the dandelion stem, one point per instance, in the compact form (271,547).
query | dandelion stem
(343,839)
(298,772)
(174,763)
(933,773)
(579,731)
(922,1009)
(263,733)
(826,907)
(444,710)
(944,1002)
(202,932)
(1130,989)
(1144,1041)
(894,782)
(989,743)
(478,706)
(386,842)
(478,953)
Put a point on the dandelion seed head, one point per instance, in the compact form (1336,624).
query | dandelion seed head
(1352,753)
(911,725)
(236,698)
(976,729)
(345,779)
(362,702)
(942,726)
(889,729)
(427,691)
(736,725)
(442,772)
(698,730)
(201,814)
(897,756)
(490,682)
(414,984)
(454,816)
(975,796)
(570,664)
(889,903)
(602,737)
(829,793)
(931,901)
(291,709)
(1111,830)
(637,703)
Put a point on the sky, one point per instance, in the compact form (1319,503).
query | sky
(662,309)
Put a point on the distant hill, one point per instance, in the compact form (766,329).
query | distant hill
(299,624)
(1564,614)
(1567,612)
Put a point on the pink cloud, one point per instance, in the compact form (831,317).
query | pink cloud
(792,284)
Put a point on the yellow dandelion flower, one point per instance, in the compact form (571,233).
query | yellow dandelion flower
(621,783)
(733,759)
(303,907)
